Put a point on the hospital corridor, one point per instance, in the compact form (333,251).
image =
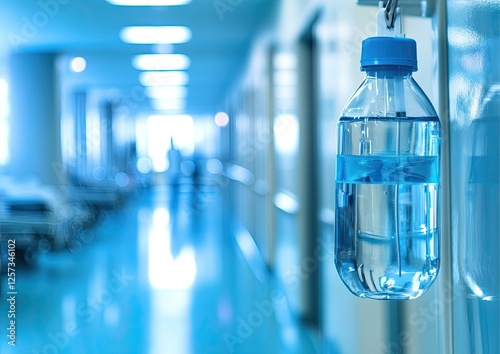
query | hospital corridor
(249,177)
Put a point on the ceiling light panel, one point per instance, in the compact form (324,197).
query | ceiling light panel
(161,92)
(155,34)
(168,104)
(149,2)
(161,62)
(162,78)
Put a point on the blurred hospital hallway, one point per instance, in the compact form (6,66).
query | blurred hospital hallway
(159,275)
(249,177)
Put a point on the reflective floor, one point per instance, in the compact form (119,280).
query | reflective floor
(163,274)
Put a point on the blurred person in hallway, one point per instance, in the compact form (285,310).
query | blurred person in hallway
(174,158)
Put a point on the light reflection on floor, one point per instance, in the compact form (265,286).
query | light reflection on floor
(160,276)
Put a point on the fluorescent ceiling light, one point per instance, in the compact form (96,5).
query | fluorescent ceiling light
(161,62)
(148,2)
(168,104)
(166,92)
(155,34)
(161,78)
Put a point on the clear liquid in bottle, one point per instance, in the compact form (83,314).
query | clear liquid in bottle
(387,205)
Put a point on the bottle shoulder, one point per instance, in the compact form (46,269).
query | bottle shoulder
(389,97)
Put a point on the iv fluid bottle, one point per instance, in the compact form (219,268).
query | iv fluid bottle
(387,178)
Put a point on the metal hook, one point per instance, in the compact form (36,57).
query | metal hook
(390,12)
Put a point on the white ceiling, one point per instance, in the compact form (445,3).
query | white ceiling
(221,34)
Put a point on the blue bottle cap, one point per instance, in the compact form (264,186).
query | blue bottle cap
(399,51)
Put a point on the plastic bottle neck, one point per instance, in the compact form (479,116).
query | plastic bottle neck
(387,71)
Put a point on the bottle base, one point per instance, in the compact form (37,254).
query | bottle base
(375,295)
(385,296)
(388,285)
